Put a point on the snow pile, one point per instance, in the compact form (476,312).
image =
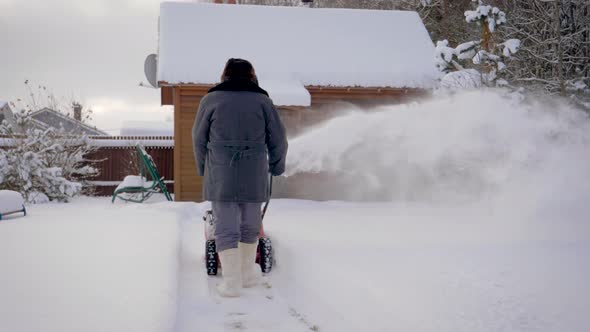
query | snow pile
(133,181)
(286,93)
(464,146)
(10,201)
(89,266)
(330,47)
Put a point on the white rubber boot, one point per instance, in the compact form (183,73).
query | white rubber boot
(251,273)
(231,270)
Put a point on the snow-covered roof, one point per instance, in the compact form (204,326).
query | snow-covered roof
(47,117)
(2,103)
(147,128)
(286,92)
(325,47)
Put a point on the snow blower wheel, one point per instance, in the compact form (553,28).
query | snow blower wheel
(265,254)
(211,257)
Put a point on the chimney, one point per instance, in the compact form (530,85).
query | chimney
(77,111)
(231,2)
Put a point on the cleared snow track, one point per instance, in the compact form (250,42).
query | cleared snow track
(200,308)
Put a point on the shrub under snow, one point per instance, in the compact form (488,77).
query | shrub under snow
(41,163)
(484,54)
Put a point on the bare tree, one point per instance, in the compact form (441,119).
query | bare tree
(40,96)
(444,19)
(555,52)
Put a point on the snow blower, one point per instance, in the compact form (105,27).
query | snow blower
(264,252)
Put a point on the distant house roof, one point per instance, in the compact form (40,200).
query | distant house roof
(311,47)
(147,128)
(5,112)
(47,117)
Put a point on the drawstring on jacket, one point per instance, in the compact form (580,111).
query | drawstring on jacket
(253,148)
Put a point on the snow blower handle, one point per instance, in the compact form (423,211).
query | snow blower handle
(269,194)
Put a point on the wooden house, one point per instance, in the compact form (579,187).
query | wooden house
(305,58)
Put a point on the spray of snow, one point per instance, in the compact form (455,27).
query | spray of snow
(465,146)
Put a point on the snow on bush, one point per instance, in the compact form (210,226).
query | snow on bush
(43,161)
(3,166)
(510,47)
(462,79)
(444,56)
(36,197)
(485,55)
(492,16)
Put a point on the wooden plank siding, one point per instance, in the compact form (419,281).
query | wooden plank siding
(186,98)
(186,103)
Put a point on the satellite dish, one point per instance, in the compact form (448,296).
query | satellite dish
(150,68)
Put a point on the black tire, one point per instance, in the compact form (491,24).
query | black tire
(211,258)
(266,257)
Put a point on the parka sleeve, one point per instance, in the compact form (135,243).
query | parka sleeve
(276,141)
(201,137)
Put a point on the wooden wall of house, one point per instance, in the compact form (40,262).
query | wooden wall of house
(188,185)
(186,98)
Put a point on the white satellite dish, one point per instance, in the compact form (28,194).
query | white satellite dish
(150,68)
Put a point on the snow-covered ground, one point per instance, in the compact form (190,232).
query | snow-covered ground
(88,266)
(92,266)
(485,229)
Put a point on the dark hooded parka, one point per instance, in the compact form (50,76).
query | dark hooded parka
(238,140)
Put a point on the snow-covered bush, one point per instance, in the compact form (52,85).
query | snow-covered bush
(43,162)
(485,55)
(464,79)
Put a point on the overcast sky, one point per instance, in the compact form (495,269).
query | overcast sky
(92,50)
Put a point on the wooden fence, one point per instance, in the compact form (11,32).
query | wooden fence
(117,157)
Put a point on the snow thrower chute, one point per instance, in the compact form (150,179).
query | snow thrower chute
(264,252)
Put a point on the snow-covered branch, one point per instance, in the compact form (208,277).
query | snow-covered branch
(47,163)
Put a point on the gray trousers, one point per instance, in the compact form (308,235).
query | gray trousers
(236,222)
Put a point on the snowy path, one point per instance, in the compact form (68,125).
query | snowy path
(201,309)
